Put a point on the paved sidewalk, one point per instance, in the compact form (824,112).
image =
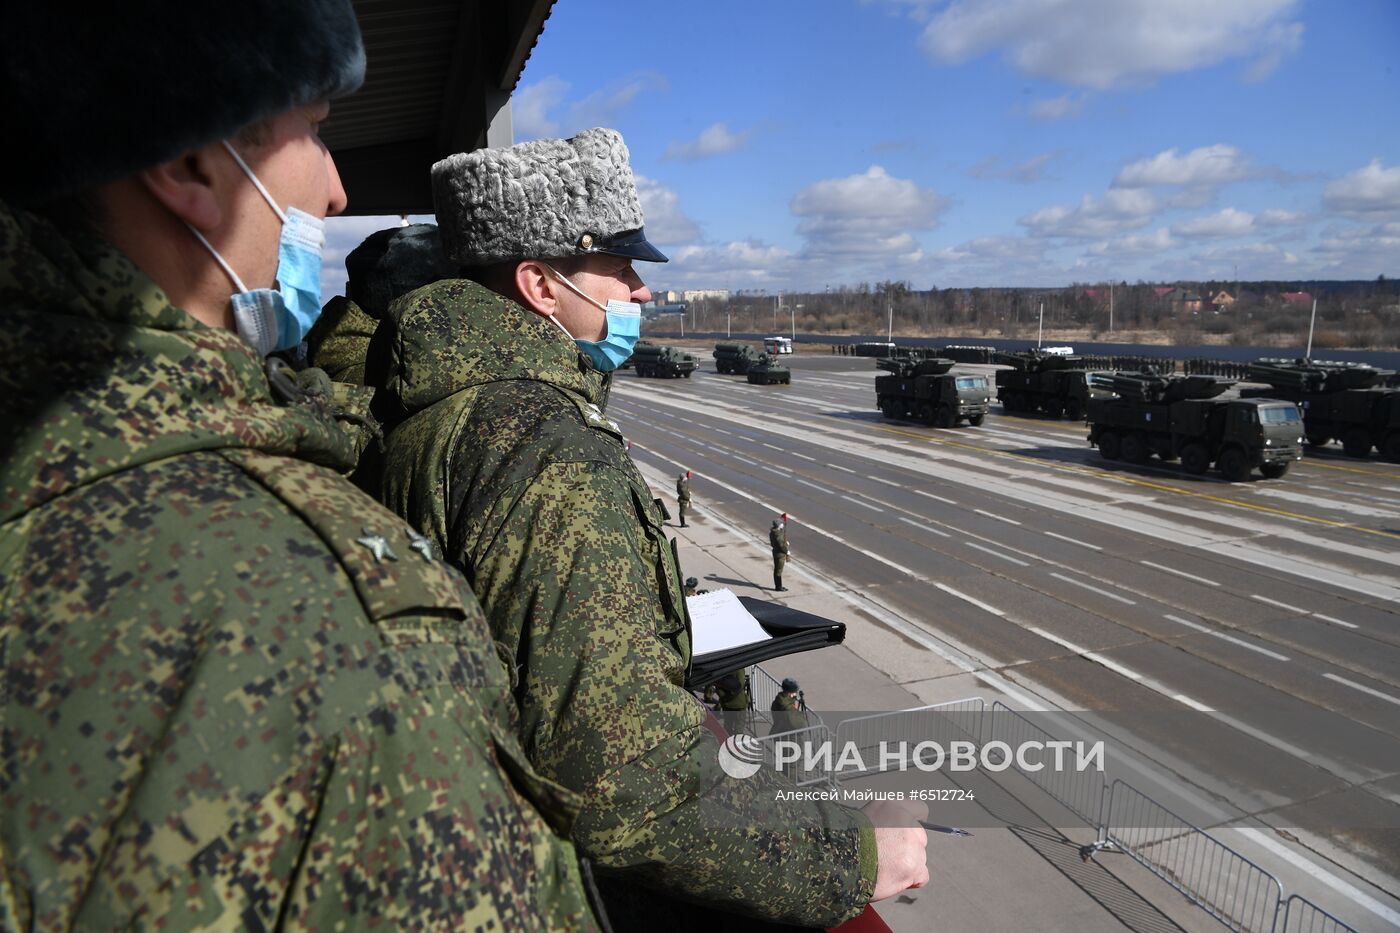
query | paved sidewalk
(1019,876)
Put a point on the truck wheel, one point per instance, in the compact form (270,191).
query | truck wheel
(1233,466)
(686,374)
(1194,459)
(1053,408)
(1134,448)
(1357,443)
(1318,440)
(945,418)
(976,420)
(1073,410)
(1390,450)
(1110,445)
(1274,470)
(925,413)
(1007,403)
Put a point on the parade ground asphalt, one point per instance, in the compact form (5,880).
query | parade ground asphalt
(1025,876)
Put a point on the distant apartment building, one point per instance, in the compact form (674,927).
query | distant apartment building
(706,294)
(666,296)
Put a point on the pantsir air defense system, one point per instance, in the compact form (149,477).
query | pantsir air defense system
(924,390)
(663,362)
(1057,384)
(1340,401)
(1183,417)
(735,358)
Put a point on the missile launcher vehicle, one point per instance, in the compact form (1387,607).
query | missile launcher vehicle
(1057,384)
(734,358)
(662,362)
(1184,417)
(924,390)
(1347,402)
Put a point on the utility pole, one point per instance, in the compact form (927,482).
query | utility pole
(1308,354)
(727,315)
(1110,307)
(792,310)
(1040,330)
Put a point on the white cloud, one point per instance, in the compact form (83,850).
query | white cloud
(734,265)
(1109,43)
(1367,192)
(1139,244)
(870,213)
(1031,170)
(994,248)
(1119,210)
(1360,252)
(1057,108)
(1254,260)
(1226,223)
(530,107)
(602,107)
(714,140)
(1276,217)
(343,234)
(1205,168)
(661,207)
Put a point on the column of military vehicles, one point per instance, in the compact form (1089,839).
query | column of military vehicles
(1346,402)
(743,360)
(924,390)
(651,359)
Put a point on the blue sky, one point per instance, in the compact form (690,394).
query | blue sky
(798,145)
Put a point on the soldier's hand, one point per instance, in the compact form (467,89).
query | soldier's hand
(900,845)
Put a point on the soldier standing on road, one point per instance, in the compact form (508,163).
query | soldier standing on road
(734,701)
(683,494)
(777,539)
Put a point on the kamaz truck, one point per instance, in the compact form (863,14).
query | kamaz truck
(1184,417)
(734,358)
(1054,383)
(767,371)
(1347,402)
(924,390)
(651,359)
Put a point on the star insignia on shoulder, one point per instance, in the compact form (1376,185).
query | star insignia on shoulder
(378,545)
(422,545)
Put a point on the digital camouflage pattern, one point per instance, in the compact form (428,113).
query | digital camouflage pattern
(234,692)
(500,451)
(340,339)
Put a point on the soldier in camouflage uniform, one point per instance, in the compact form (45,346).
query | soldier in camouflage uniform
(500,451)
(683,494)
(777,540)
(235,693)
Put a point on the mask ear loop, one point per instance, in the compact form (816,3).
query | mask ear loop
(237,282)
(256,182)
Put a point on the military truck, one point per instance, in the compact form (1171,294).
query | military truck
(924,390)
(735,358)
(1055,383)
(767,371)
(652,359)
(1347,402)
(1184,417)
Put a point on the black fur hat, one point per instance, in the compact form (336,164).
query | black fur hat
(92,92)
(394,262)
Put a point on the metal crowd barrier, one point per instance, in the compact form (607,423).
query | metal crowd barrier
(1301,915)
(1219,880)
(955,720)
(1083,792)
(798,773)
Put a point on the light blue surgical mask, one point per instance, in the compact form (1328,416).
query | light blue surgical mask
(279,319)
(624,322)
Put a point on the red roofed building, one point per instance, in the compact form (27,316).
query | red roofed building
(1296,296)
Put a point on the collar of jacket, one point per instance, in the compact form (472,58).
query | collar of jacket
(99,372)
(455,334)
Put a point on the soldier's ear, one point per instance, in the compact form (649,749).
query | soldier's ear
(536,287)
(193,187)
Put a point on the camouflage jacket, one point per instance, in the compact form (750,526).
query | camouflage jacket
(339,341)
(499,450)
(777,540)
(233,692)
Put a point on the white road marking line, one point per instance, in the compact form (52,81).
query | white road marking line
(814,486)
(1363,688)
(970,599)
(744,460)
(1198,707)
(1000,518)
(779,470)
(794,453)
(1101,592)
(1084,653)
(887,482)
(842,469)
(1230,638)
(919,525)
(1179,573)
(873,508)
(1350,892)
(722,431)
(930,495)
(1092,547)
(1275,602)
(987,550)
(771,446)
(1318,615)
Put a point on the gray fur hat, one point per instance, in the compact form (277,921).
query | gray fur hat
(394,262)
(94,92)
(541,200)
